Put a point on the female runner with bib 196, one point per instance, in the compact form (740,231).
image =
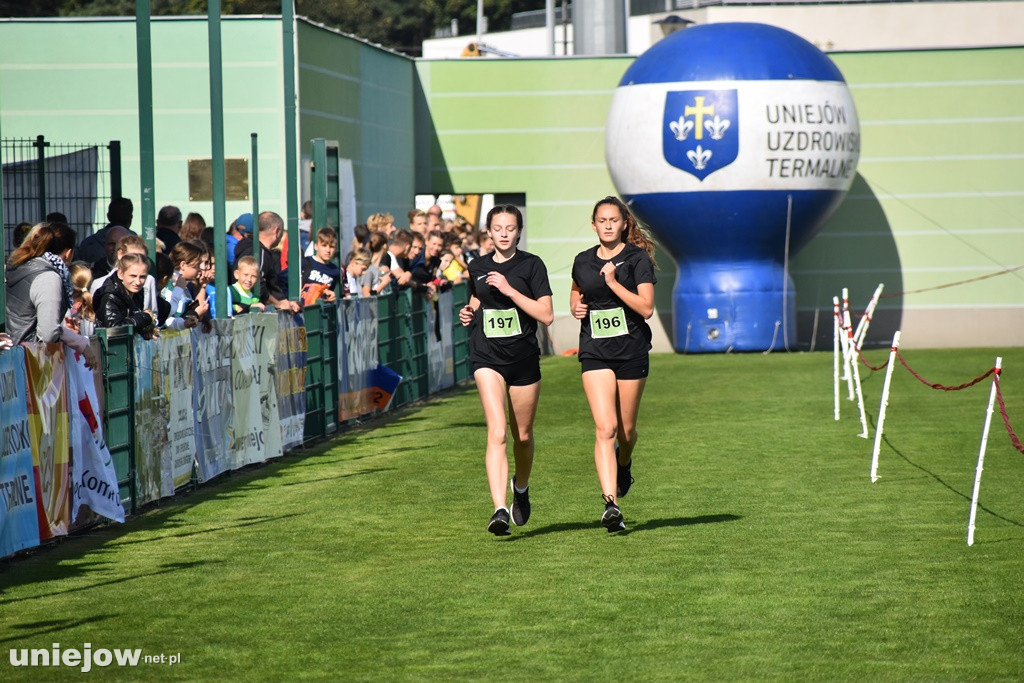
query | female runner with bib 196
(613,296)
(510,294)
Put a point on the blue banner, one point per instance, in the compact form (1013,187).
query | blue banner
(357,356)
(19,524)
(291,378)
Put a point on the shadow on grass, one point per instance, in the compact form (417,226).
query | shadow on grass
(640,526)
(52,626)
(244,522)
(678,521)
(57,572)
(941,481)
(341,476)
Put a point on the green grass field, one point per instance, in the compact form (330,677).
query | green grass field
(757,546)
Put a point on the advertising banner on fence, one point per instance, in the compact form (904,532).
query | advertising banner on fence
(291,378)
(178,379)
(48,433)
(440,359)
(253,356)
(93,479)
(150,420)
(213,399)
(19,523)
(357,356)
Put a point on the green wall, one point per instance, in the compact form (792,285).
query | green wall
(75,81)
(362,97)
(937,199)
(534,126)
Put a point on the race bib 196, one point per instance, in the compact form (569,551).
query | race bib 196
(610,322)
(501,323)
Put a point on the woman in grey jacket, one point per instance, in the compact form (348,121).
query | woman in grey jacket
(39,290)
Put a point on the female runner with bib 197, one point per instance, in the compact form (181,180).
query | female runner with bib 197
(510,294)
(613,296)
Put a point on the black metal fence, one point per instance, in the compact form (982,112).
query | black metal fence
(41,177)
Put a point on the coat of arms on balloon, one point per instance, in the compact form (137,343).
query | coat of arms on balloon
(700,136)
(734,143)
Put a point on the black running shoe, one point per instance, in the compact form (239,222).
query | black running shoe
(499,523)
(612,517)
(625,474)
(520,504)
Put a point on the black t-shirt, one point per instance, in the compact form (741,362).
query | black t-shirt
(501,332)
(612,341)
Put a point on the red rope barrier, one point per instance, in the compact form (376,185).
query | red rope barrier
(872,367)
(943,387)
(1006,420)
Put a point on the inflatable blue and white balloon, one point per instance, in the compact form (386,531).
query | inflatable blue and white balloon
(733,142)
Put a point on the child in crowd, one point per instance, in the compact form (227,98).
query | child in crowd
(356,267)
(447,259)
(164,273)
(181,290)
(207,277)
(247,272)
(456,271)
(82,316)
(319,272)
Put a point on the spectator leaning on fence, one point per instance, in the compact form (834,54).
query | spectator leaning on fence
(39,290)
(116,304)
(426,272)
(271,229)
(394,259)
(247,272)
(320,275)
(133,244)
(181,291)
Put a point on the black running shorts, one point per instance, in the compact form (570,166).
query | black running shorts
(520,374)
(634,368)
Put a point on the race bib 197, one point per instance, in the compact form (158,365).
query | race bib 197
(610,322)
(501,323)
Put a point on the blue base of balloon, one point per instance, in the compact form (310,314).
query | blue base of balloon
(733,306)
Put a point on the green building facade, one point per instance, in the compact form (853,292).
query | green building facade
(937,199)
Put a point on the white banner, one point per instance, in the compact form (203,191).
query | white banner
(178,381)
(257,433)
(93,479)
(440,357)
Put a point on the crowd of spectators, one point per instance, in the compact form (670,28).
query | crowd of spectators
(58,290)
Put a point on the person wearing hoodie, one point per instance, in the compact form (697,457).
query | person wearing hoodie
(39,290)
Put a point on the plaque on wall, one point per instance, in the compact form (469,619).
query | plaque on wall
(236,179)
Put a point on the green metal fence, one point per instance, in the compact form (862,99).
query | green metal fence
(117,356)
(403,327)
